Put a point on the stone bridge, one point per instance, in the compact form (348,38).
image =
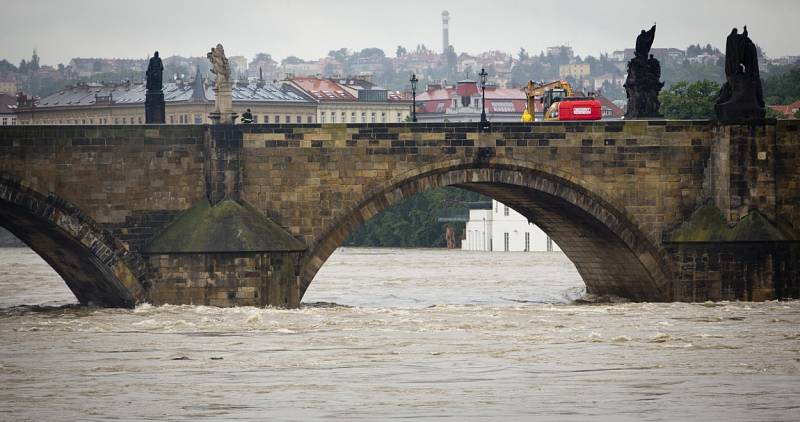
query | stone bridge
(247,214)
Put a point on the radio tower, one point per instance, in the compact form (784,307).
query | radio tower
(445,35)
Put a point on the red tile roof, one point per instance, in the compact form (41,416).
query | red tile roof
(787,110)
(322,89)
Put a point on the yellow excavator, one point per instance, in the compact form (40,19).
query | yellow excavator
(533,90)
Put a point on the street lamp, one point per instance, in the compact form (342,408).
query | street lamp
(414,81)
(484,122)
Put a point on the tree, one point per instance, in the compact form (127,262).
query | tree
(523,55)
(401,51)
(293,60)
(685,100)
(782,88)
(413,221)
(263,57)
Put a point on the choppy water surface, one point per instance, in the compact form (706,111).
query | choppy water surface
(431,334)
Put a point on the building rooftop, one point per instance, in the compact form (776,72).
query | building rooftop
(8,103)
(134,93)
(322,89)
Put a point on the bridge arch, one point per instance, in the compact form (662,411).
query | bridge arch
(96,267)
(606,245)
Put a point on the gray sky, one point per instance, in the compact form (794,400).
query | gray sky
(62,29)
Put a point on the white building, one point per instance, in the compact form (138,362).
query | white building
(496,227)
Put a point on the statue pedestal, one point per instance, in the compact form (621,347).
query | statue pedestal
(223,113)
(154,107)
(738,101)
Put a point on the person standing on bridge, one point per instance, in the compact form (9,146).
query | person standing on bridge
(247,117)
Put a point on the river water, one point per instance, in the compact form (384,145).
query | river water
(397,334)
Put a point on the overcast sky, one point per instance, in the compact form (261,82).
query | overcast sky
(62,29)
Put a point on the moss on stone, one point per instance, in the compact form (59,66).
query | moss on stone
(708,224)
(225,227)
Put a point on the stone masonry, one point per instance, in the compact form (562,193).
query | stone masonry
(620,198)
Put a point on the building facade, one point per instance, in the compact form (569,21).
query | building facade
(352,100)
(8,105)
(494,226)
(8,83)
(574,70)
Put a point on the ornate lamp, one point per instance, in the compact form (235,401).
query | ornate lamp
(414,81)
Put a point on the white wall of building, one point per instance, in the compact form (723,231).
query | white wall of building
(503,229)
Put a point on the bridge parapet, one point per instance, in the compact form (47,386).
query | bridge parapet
(622,186)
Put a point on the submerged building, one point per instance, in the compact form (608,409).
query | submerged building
(494,226)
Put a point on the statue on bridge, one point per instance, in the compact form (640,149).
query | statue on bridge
(643,83)
(741,98)
(223,112)
(154,106)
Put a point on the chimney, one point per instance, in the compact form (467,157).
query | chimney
(445,31)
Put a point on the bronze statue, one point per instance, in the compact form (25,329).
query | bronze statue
(644,79)
(154,74)
(154,106)
(741,98)
(644,42)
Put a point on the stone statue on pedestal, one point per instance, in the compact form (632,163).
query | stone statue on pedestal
(223,112)
(741,98)
(644,79)
(154,106)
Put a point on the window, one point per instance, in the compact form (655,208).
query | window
(310,119)
(288,119)
(5,121)
(116,121)
(363,117)
(277,119)
(398,117)
(91,121)
(527,242)
(171,119)
(255,118)
(344,117)
(125,120)
(372,117)
(505,210)
(549,244)
(198,120)
(353,117)
(383,117)
(333,117)
(505,241)
(322,117)
(266,119)
(140,120)
(299,119)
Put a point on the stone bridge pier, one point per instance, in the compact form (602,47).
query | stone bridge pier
(248,214)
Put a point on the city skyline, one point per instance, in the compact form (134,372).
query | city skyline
(190,28)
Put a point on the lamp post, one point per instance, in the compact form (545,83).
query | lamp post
(484,122)
(414,81)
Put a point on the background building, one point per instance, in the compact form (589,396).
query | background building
(352,100)
(462,103)
(186,103)
(8,105)
(8,83)
(494,226)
